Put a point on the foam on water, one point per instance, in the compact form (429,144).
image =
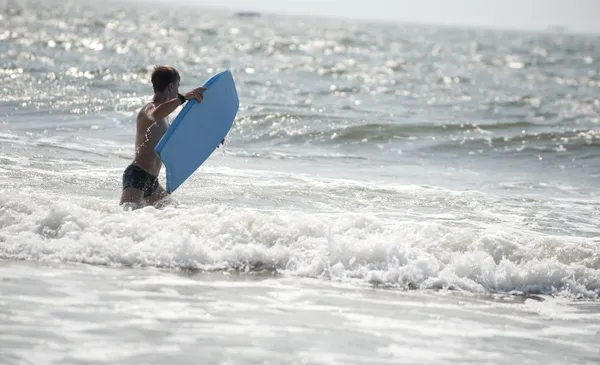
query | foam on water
(469,245)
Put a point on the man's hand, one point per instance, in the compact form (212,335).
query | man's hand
(195,94)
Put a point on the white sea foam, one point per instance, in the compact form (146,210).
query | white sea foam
(411,250)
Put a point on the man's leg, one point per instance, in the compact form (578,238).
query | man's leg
(157,198)
(132,198)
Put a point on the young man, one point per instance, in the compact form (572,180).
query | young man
(140,179)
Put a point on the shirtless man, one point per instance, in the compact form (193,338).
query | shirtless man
(140,179)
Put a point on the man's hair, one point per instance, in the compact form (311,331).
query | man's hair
(163,76)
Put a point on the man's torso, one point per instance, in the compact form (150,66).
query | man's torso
(148,134)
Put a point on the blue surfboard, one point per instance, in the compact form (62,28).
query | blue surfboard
(198,130)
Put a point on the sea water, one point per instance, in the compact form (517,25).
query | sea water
(389,193)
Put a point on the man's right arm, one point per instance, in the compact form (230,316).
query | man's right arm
(163,110)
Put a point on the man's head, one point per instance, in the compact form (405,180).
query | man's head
(165,79)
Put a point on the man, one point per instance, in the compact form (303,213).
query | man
(140,179)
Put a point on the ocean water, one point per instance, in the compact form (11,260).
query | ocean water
(389,193)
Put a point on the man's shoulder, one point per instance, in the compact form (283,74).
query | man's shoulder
(149,106)
(143,114)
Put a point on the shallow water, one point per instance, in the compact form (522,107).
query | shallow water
(86,314)
(414,194)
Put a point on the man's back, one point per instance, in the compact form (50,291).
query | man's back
(148,134)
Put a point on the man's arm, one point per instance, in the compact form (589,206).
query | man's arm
(163,110)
